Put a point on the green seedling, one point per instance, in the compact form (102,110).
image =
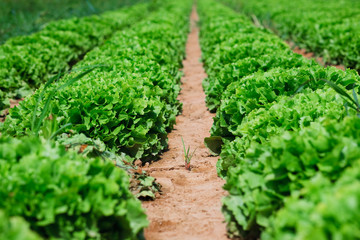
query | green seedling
(187,155)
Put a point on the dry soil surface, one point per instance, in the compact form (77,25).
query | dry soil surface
(189,207)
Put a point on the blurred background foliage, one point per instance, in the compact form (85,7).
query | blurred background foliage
(21,17)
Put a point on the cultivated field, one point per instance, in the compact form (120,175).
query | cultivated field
(182,120)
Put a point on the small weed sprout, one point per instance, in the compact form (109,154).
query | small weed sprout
(187,155)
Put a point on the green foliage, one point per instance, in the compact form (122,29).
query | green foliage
(216,83)
(15,228)
(321,210)
(270,171)
(130,105)
(286,114)
(328,28)
(261,89)
(65,196)
(21,17)
(118,112)
(28,61)
(142,185)
(282,120)
(49,131)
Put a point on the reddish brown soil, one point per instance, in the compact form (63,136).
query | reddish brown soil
(311,55)
(5,112)
(189,207)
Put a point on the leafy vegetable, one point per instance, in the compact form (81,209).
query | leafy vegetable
(321,210)
(142,185)
(15,228)
(65,196)
(216,84)
(281,120)
(261,89)
(273,170)
(329,29)
(286,114)
(28,61)
(130,105)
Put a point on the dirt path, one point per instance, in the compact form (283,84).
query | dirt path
(190,205)
(311,55)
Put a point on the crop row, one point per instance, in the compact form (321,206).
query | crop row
(282,123)
(28,61)
(23,17)
(129,104)
(62,195)
(330,29)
